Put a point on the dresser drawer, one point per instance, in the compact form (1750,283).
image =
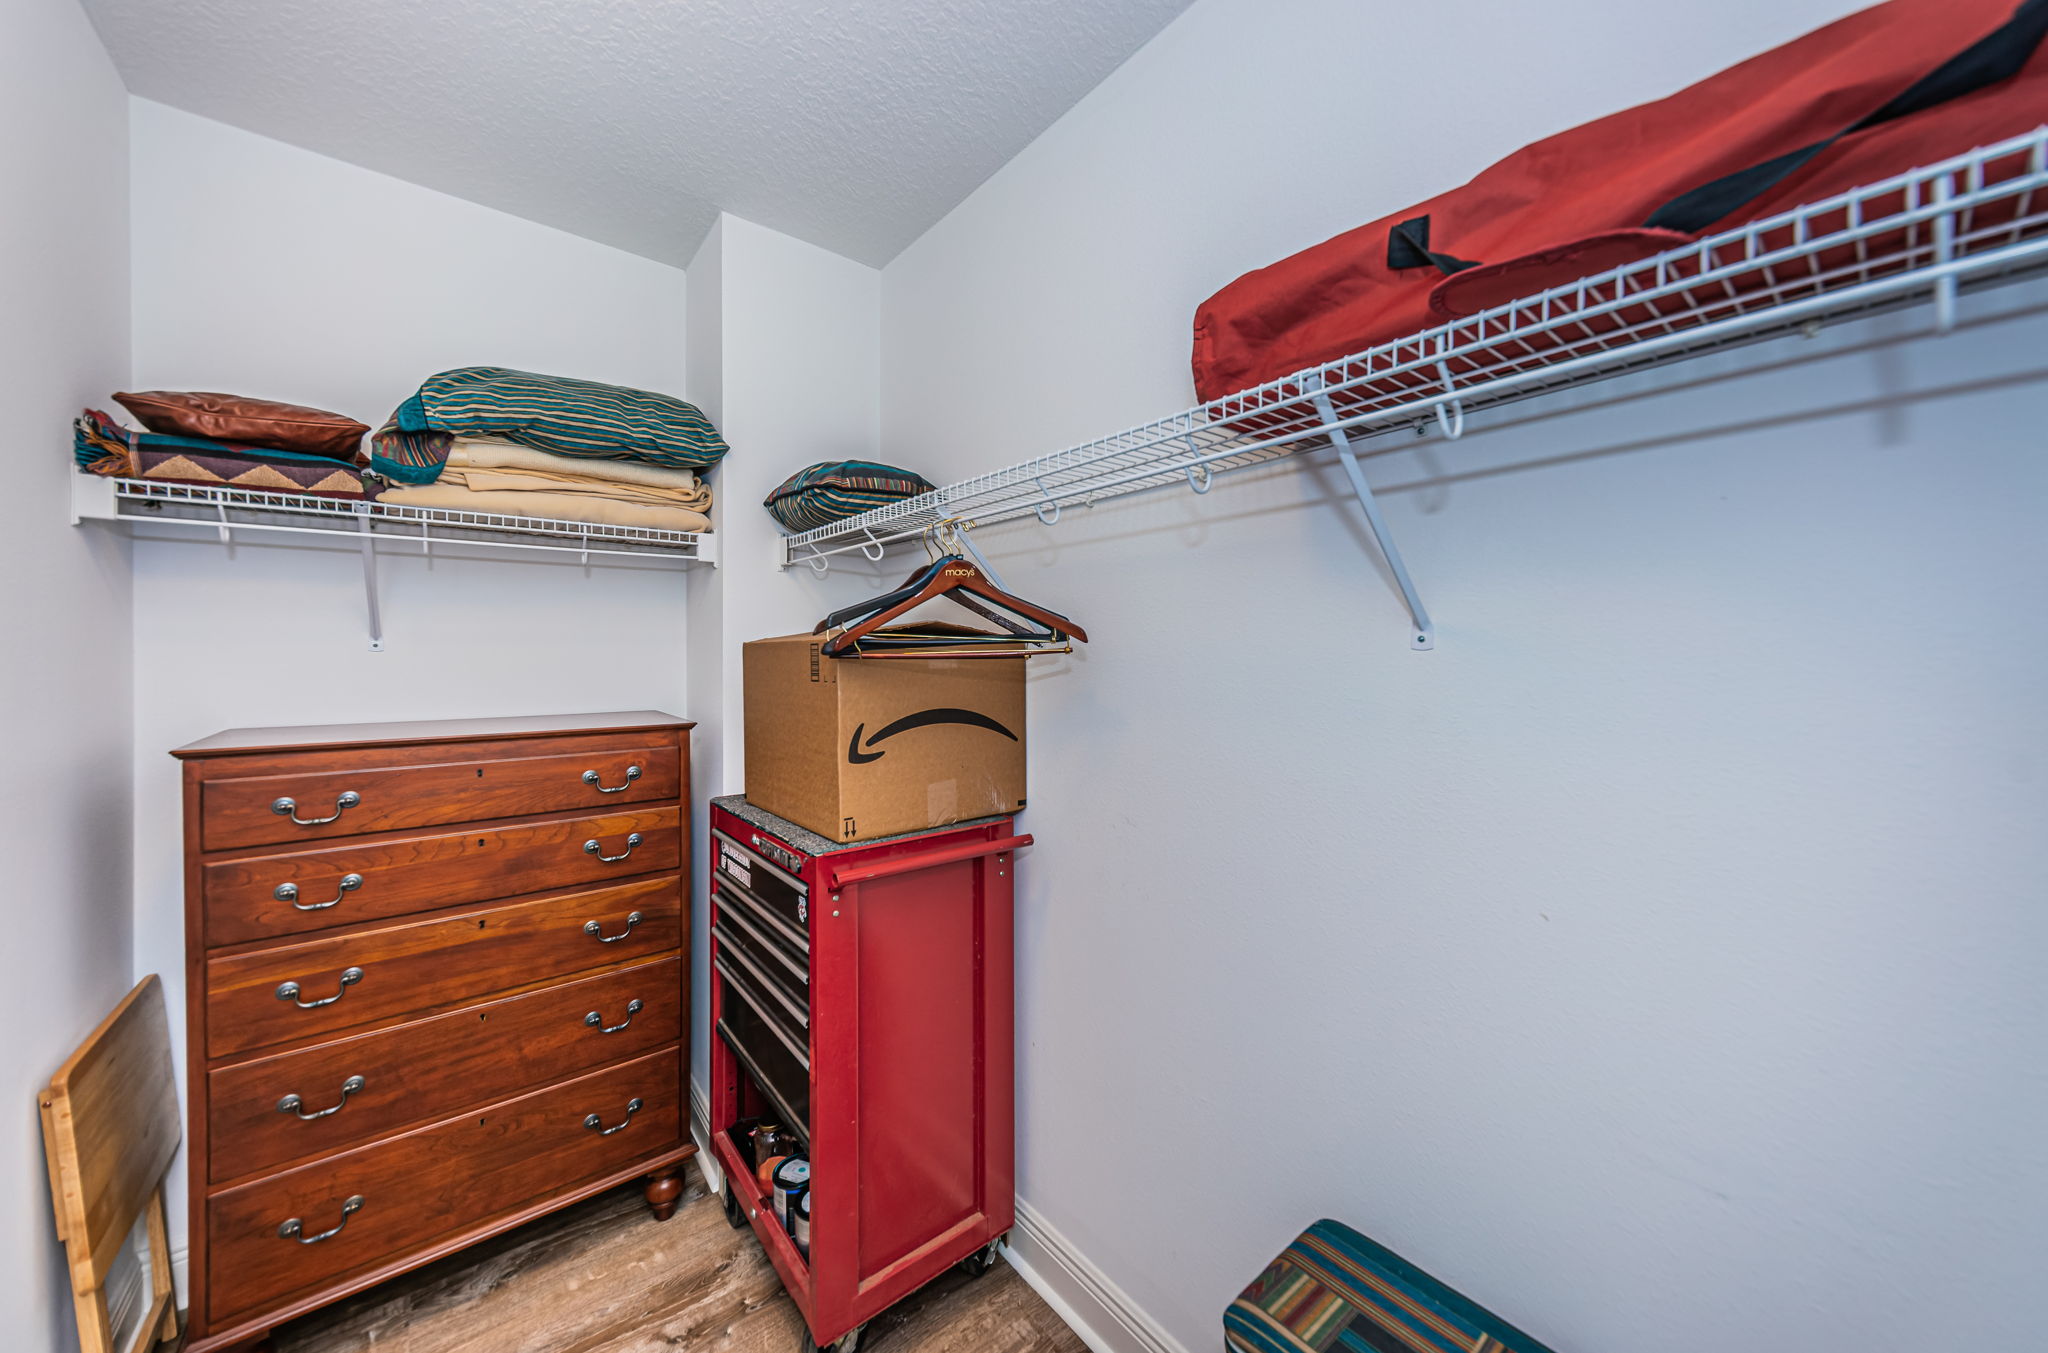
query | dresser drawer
(261,896)
(431,1184)
(257,810)
(296,993)
(430,1068)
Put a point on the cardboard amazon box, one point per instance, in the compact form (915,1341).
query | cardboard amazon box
(855,748)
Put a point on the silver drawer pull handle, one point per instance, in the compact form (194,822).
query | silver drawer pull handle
(294,1229)
(596,1021)
(633,918)
(596,1124)
(292,1104)
(591,777)
(289,991)
(289,892)
(290,808)
(591,847)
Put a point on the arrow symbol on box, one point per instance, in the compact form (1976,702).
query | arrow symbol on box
(858,755)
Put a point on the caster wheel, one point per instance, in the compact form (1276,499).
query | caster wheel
(981,1261)
(735,1215)
(848,1342)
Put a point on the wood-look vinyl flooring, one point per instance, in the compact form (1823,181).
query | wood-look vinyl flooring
(605,1277)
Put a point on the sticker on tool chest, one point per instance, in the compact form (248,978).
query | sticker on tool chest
(737,865)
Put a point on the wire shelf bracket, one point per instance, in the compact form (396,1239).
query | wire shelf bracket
(226,510)
(376,607)
(1922,237)
(1423,636)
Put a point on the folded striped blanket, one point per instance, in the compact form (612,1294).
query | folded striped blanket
(556,414)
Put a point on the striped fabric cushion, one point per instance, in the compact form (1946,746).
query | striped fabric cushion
(549,413)
(834,490)
(1335,1290)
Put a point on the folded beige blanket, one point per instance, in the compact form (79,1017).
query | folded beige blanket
(494,453)
(588,507)
(529,481)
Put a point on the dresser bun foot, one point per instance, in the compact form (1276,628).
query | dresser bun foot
(664,1191)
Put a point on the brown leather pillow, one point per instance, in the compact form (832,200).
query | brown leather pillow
(255,422)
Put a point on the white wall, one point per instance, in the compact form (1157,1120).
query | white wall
(785,343)
(271,271)
(64,684)
(1655,959)
(801,344)
(706,322)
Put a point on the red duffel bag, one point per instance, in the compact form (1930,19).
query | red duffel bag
(1899,85)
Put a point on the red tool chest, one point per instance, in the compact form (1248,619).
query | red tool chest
(861,997)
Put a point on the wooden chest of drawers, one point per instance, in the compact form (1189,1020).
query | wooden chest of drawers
(437,985)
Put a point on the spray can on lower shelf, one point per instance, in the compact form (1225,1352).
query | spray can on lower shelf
(801,1232)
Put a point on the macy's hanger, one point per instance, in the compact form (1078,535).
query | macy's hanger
(960,580)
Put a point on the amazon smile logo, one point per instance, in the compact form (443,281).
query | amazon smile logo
(858,755)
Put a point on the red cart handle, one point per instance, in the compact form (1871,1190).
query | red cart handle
(846,878)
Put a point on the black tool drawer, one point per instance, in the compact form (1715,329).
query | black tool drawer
(782,896)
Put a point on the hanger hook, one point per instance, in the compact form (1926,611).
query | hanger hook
(1450,413)
(874,549)
(1051,519)
(820,565)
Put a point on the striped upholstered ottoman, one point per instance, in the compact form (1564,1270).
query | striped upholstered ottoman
(1334,1291)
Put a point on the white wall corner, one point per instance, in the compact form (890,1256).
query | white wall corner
(1081,1294)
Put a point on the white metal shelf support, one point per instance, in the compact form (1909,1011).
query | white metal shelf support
(1422,634)
(370,576)
(1924,236)
(227,509)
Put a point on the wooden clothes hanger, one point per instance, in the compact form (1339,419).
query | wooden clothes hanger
(957,578)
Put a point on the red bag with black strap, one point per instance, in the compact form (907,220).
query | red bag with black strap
(1890,88)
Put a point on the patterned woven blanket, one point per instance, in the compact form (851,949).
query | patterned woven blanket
(106,447)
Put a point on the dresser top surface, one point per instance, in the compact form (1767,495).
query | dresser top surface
(236,740)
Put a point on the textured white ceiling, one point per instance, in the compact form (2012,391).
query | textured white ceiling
(854,125)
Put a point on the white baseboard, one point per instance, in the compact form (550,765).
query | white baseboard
(1095,1308)
(1102,1313)
(181,1275)
(700,1133)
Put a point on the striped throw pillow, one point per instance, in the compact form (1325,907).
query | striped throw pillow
(834,490)
(1334,1291)
(549,413)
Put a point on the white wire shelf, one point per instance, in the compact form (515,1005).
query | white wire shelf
(228,509)
(1975,220)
